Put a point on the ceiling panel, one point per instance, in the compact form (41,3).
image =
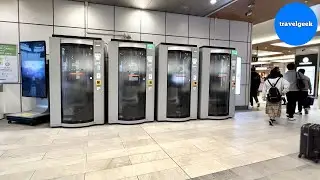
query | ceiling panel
(262,11)
(190,7)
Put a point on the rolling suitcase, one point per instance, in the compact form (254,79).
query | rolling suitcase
(310,142)
(310,100)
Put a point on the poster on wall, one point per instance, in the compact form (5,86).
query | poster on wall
(9,72)
(238,76)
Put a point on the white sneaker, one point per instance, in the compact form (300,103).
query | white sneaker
(291,119)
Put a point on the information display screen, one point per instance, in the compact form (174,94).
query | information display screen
(33,69)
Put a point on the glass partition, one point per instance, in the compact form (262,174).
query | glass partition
(76,83)
(178,84)
(132,83)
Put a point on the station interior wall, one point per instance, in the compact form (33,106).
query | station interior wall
(28,20)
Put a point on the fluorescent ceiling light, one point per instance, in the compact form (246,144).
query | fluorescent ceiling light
(213,1)
(261,68)
(265,53)
(277,58)
(315,40)
(283,61)
(259,63)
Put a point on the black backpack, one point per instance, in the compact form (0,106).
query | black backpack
(274,94)
(300,82)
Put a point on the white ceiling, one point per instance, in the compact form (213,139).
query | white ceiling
(190,7)
(264,32)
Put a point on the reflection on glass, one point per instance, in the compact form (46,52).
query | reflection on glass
(219,85)
(132,83)
(179,88)
(77,83)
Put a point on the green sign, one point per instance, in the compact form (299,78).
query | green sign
(234,52)
(150,46)
(8,63)
(8,50)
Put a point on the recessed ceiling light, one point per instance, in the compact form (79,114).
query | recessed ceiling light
(213,1)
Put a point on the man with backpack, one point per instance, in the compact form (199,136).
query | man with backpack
(274,87)
(296,84)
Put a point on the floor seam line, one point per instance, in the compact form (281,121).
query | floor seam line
(167,154)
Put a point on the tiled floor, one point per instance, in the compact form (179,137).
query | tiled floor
(244,148)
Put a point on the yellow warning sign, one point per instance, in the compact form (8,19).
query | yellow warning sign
(98,82)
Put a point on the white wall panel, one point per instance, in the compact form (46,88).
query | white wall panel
(245,68)
(219,43)
(243,98)
(156,39)
(127,19)
(153,22)
(11,97)
(106,36)
(69,31)
(69,13)
(30,32)
(239,31)
(9,33)
(241,47)
(101,17)
(221,29)
(35,11)
(28,103)
(199,42)
(199,27)
(9,10)
(177,24)
(177,40)
(134,36)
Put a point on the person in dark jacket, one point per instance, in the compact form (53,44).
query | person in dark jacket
(255,83)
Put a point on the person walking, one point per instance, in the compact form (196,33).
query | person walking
(274,87)
(303,94)
(255,83)
(294,78)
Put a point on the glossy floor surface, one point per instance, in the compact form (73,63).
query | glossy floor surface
(243,148)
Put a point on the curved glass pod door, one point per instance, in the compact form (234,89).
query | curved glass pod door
(178,84)
(132,84)
(76,83)
(219,85)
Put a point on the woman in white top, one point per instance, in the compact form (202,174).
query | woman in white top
(273,96)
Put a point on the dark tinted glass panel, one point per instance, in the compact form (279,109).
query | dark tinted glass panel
(219,85)
(132,84)
(179,87)
(77,83)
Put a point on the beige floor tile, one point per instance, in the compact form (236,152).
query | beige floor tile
(65,153)
(195,158)
(45,163)
(59,171)
(71,177)
(99,165)
(7,161)
(200,169)
(17,176)
(170,174)
(133,170)
(106,155)
(173,152)
(137,143)
(146,157)
(143,149)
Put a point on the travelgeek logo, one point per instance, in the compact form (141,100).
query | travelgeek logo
(296,24)
(294,28)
